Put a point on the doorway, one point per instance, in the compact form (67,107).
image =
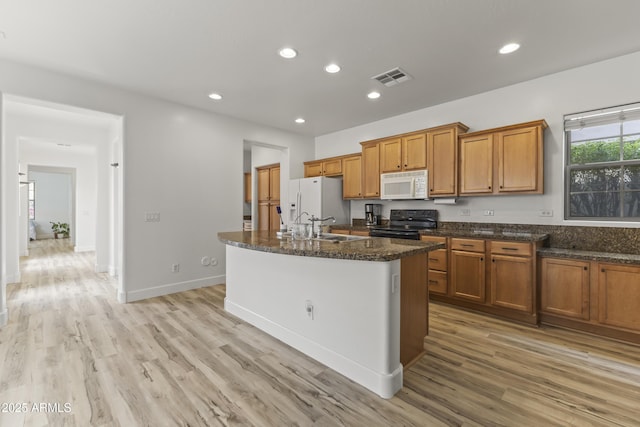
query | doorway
(42,136)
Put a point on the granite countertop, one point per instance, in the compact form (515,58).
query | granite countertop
(481,234)
(467,234)
(366,249)
(589,255)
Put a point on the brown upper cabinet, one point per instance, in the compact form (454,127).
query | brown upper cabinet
(403,153)
(352,177)
(325,167)
(503,160)
(371,170)
(442,159)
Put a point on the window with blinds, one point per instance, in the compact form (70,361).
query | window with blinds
(602,170)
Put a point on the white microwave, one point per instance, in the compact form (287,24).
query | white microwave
(404,185)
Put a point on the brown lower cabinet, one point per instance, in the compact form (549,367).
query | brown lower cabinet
(597,297)
(493,276)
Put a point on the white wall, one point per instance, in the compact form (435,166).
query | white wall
(53,200)
(598,85)
(182,162)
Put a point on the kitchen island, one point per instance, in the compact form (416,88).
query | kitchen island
(358,306)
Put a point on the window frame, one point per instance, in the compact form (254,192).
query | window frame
(611,115)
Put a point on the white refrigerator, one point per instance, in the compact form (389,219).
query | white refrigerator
(318,196)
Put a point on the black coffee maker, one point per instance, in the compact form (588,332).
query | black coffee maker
(372,213)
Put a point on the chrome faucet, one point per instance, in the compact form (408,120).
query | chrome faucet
(313,220)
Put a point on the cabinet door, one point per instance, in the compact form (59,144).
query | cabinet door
(264,189)
(390,155)
(442,163)
(263,216)
(519,160)
(512,282)
(247,187)
(414,152)
(371,173)
(274,218)
(332,167)
(352,177)
(274,183)
(476,164)
(312,169)
(564,288)
(468,275)
(619,296)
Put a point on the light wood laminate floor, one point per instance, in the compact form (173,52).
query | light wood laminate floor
(182,360)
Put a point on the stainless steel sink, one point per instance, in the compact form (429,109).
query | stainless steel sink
(328,237)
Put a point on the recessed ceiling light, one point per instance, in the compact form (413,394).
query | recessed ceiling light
(288,53)
(509,48)
(373,95)
(300,120)
(215,96)
(332,68)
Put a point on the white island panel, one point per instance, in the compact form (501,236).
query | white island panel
(355,324)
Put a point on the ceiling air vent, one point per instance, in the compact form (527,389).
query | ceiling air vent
(392,77)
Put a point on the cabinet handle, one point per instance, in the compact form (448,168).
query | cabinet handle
(510,249)
(602,270)
(466,245)
(489,187)
(501,186)
(433,281)
(585,268)
(481,259)
(398,166)
(493,260)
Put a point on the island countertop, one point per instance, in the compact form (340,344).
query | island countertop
(366,249)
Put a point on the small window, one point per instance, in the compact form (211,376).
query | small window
(32,200)
(602,170)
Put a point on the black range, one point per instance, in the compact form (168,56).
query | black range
(407,223)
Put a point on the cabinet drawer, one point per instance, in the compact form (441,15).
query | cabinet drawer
(436,239)
(437,282)
(437,260)
(340,231)
(511,248)
(470,245)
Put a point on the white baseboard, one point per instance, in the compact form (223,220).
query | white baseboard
(13,278)
(3,318)
(84,248)
(171,288)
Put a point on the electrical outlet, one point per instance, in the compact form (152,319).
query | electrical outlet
(205,260)
(152,217)
(308,306)
(545,212)
(175,268)
(465,212)
(214,262)
(488,212)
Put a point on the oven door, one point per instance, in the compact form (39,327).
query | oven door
(395,234)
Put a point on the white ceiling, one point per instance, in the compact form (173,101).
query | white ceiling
(181,50)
